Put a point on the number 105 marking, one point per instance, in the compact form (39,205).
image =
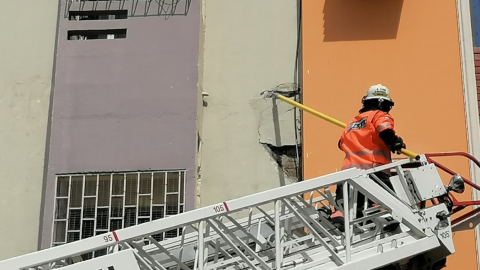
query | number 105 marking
(445,234)
(220,208)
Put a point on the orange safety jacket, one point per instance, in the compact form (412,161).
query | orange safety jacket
(363,147)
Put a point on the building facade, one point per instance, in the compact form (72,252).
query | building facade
(154,108)
(26,63)
(248,143)
(122,143)
(424,56)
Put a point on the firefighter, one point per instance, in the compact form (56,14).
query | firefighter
(369,138)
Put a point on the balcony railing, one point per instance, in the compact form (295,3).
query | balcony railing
(136,8)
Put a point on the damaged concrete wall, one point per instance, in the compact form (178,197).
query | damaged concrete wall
(249,46)
(279,130)
(277,119)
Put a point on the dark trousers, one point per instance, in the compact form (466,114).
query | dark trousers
(360,197)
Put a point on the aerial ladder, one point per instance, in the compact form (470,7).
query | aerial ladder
(408,228)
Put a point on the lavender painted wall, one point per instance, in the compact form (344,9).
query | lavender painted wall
(125,104)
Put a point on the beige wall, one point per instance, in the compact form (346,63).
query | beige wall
(249,46)
(28,30)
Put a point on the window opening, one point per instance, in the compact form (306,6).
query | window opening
(97,34)
(92,204)
(93,15)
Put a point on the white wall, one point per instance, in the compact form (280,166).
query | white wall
(28,29)
(250,46)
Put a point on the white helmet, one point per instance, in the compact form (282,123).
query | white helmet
(378,91)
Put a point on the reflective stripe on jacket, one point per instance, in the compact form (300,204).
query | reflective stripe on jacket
(363,147)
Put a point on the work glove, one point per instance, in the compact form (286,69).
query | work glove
(398,145)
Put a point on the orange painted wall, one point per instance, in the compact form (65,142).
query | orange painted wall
(411,47)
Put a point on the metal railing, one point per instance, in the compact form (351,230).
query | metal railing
(285,230)
(458,205)
(136,8)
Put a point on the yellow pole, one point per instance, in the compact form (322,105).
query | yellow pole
(332,120)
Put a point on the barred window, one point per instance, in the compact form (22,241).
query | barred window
(93,204)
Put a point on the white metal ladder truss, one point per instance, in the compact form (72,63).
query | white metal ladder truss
(279,229)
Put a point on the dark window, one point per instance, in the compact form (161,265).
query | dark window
(97,34)
(93,15)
